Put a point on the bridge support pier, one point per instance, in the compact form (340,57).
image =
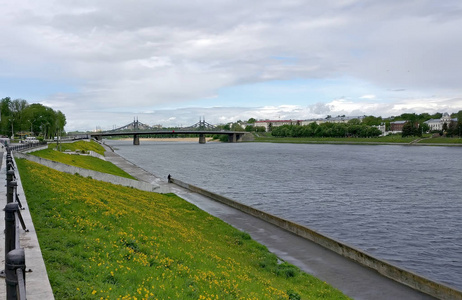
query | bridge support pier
(136,139)
(201,138)
(232,138)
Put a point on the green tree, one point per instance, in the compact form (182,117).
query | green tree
(260,129)
(408,130)
(26,117)
(424,127)
(445,126)
(437,116)
(371,120)
(354,122)
(452,129)
(459,123)
(411,129)
(236,127)
(5,115)
(411,117)
(424,117)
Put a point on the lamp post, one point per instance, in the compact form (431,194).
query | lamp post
(30,126)
(12,131)
(44,129)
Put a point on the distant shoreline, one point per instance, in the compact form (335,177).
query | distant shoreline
(296,141)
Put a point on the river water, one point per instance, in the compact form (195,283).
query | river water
(402,204)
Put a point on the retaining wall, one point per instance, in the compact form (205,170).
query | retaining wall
(400,275)
(144,186)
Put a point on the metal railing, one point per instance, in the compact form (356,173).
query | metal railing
(26,146)
(15,259)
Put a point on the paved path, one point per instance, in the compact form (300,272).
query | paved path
(354,280)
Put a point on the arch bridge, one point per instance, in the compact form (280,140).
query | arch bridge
(137,129)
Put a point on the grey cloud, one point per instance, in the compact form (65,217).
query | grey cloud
(320,109)
(91,119)
(146,53)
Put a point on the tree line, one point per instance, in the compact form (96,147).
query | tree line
(415,126)
(326,130)
(18,117)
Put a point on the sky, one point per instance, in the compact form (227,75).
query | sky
(105,62)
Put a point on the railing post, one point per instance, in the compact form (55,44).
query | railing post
(14,260)
(9,160)
(10,188)
(9,176)
(10,226)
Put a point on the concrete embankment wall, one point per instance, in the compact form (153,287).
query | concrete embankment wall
(400,275)
(144,186)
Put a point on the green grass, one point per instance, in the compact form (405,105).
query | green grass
(442,140)
(103,241)
(80,145)
(81,161)
(384,139)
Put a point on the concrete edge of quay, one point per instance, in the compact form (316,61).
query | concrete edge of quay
(400,275)
(37,282)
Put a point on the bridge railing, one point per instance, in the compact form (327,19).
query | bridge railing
(15,259)
(164,130)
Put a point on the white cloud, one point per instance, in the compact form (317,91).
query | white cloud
(368,97)
(221,115)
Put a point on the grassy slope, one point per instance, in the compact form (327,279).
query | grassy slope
(81,145)
(442,140)
(86,162)
(102,241)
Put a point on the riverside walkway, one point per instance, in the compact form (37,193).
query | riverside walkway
(352,279)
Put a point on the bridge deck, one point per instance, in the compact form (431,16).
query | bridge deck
(154,132)
(233,136)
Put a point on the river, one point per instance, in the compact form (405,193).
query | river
(402,204)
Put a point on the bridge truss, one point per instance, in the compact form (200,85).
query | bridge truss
(137,129)
(133,126)
(201,125)
(139,126)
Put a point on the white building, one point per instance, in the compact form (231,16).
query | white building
(437,124)
(276,123)
(382,129)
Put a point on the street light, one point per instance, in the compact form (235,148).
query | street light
(30,126)
(43,126)
(12,131)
